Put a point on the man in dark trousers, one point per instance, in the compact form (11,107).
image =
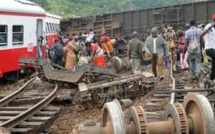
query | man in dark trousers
(192,44)
(57,48)
(135,53)
(209,33)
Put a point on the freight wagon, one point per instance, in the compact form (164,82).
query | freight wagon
(123,23)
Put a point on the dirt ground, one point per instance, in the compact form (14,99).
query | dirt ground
(69,118)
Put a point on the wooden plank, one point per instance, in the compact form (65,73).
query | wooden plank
(46,113)
(33,118)
(10,113)
(25,124)
(25,108)
(13,108)
(14,113)
(21,130)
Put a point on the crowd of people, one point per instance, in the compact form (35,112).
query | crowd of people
(189,46)
(73,52)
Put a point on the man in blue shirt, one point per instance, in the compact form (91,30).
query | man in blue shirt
(193,45)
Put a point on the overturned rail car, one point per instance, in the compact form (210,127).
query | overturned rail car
(123,23)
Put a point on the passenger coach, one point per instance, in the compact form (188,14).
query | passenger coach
(22,23)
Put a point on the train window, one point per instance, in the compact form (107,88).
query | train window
(58,26)
(55,28)
(52,27)
(47,28)
(3,35)
(18,33)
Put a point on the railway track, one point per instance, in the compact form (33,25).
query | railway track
(182,109)
(27,118)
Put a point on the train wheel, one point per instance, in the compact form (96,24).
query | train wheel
(112,118)
(200,114)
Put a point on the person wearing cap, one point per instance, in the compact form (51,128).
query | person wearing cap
(135,52)
(209,33)
(156,46)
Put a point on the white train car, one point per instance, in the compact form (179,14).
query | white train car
(52,28)
(22,23)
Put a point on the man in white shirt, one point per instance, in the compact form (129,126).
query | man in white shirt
(209,33)
(155,46)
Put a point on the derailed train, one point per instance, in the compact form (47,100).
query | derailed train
(123,23)
(21,27)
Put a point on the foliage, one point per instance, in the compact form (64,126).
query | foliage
(72,8)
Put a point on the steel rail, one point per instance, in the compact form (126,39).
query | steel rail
(172,99)
(31,111)
(186,90)
(15,94)
(112,83)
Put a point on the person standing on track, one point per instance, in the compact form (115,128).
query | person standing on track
(181,48)
(209,32)
(156,47)
(192,45)
(170,36)
(135,53)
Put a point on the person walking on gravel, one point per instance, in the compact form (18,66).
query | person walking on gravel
(209,33)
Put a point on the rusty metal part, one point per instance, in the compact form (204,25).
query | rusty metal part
(15,94)
(177,113)
(112,118)
(66,75)
(199,113)
(116,63)
(126,103)
(117,82)
(119,64)
(137,115)
(127,64)
(31,111)
(162,127)
(120,88)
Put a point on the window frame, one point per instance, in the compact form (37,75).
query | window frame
(52,27)
(18,43)
(5,44)
(47,28)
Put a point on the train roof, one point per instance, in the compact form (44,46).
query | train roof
(21,6)
(53,16)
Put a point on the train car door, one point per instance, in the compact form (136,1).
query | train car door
(40,38)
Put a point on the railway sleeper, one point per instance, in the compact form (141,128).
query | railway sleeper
(34,124)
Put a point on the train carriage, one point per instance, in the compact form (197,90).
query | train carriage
(52,28)
(22,23)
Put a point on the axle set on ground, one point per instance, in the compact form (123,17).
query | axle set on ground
(194,117)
